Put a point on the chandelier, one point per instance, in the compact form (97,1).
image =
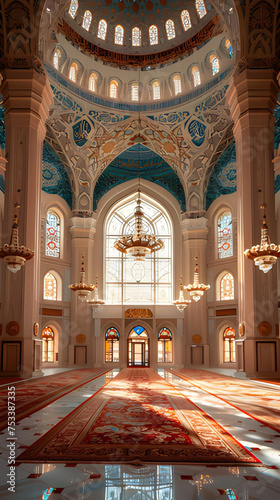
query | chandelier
(181,304)
(266,254)
(14,255)
(96,302)
(196,289)
(83,290)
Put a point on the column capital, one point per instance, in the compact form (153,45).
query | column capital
(83,227)
(195,229)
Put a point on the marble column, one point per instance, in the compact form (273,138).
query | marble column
(26,98)
(252,98)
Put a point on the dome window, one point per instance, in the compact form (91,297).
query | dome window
(200,8)
(186,20)
(170,29)
(73,72)
(102,29)
(113,89)
(73,8)
(156,90)
(92,82)
(153,35)
(196,76)
(136,37)
(135,91)
(87,20)
(214,64)
(56,57)
(119,35)
(177,84)
(229,48)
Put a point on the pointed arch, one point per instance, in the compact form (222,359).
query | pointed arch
(73,70)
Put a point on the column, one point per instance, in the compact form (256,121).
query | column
(252,99)
(26,97)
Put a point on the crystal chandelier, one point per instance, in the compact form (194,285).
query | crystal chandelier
(83,290)
(96,302)
(181,304)
(266,254)
(196,289)
(14,255)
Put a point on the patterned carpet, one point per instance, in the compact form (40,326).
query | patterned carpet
(262,404)
(138,417)
(32,395)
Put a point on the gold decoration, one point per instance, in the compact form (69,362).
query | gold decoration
(83,289)
(196,338)
(241,329)
(12,328)
(264,328)
(81,338)
(138,313)
(36,329)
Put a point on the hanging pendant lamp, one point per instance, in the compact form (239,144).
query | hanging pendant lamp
(13,254)
(96,302)
(196,289)
(83,290)
(181,304)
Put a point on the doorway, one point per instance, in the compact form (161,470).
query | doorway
(138,347)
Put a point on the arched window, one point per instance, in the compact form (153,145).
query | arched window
(196,76)
(56,57)
(113,89)
(73,8)
(229,48)
(225,247)
(87,20)
(170,29)
(200,8)
(73,72)
(138,282)
(229,345)
(119,34)
(153,35)
(186,20)
(177,85)
(52,248)
(164,346)
(92,83)
(102,29)
(156,89)
(48,345)
(227,287)
(50,287)
(134,91)
(112,338)
(215,64)
(136,37)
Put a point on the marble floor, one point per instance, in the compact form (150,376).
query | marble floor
(152,482)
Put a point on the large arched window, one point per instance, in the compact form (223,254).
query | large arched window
(138,282)
(73,72)
(215,65)
(48,345)
(186,20)
(113,89)
(177,84)
(52,248)
(227,287)
(92,83)
(50,287)
(156,90)
(56,57)
(73,8)
(153,35)
(225,244)
(136,37)
(200,8)
(112,338)
(119,34)
(102,29)
(170,29)
(164,346)
(196,76)
(87,20)
(229,345)
(134,91)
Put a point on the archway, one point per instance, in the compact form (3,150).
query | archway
(138,347)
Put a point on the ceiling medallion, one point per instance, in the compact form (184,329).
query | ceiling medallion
(14,255)
(83,290)
(196,289)
(266,254)
(181,304)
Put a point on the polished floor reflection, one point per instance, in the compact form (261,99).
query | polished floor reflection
(154,482)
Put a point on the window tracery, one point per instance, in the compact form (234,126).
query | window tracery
(229,345)
(92,82)
(50,287)
(214,64)
(164,346)
(52,248)
(112,338)
(177,84)
(113,89)
(73,72)
(170,29)
(200,8)
(136,37)
(227,287)
(196,76)
(186,20)
(119,35)
(87,18)
(225,243)
(153,35)
(56,57)
(48,345)
(135,91)
(102,29)
(73,8)
(156,90)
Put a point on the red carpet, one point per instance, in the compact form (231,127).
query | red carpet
(138,417)
(32,395)
(260,403)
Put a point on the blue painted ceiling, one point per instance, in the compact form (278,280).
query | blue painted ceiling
(54,177)
(223,177)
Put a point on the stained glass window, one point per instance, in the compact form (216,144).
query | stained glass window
(56,56)
(225,244)
(196,76)
(102,29)
(48,344)
(92,82)
(170,29)
(153,35)
(50,287)
(119,34)
(156,89)
(136,37)
(164,346)
(186,20)
(87,20)
(177,84)
(73,8)
(229,345)
(229,48)
(134,91)
(52,248)
(138,282)
(73,72)
(112,338)
(215,64)
(113,89)
(200,8)
(227,287)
